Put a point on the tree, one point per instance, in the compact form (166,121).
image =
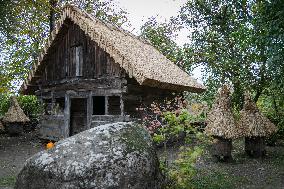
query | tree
(162,36)
(229,42)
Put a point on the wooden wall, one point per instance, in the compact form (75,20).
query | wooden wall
(61,61)
(138,95)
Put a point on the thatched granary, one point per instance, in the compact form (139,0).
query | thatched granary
(15,118)
(94,73)
(255,126)
(222,125)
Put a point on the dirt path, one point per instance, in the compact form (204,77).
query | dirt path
(13,153)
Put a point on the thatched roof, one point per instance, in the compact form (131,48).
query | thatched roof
(220,119)
(253,121)
(15,114)
(137,57)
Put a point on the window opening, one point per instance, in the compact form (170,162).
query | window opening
(79,60)
(99,105)
(114,105)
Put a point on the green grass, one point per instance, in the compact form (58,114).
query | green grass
(210,179)
(7,181)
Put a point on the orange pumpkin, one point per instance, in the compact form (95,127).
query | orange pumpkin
(49,145)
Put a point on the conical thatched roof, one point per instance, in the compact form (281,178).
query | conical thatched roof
(15,114)
(220,120)
(137,57)
(253,121)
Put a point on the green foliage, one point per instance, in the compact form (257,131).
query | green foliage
(8,181)
(176,122)
(272,106)
(4,104)
(30,105)
(224,42)
(161,36)
(183,169)
(214,180)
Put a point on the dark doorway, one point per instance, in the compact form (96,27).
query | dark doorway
(99,105)
(78,115)
(114,105)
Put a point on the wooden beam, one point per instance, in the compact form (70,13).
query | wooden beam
(106,105)
(89,110)
(121,106)
(66,131)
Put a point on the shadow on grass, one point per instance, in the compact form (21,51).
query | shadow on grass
(8,181)
(215,179)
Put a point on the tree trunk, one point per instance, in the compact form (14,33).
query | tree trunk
(52,4)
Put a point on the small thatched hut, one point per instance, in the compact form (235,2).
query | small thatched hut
(15,118)
(221,125)
(256,127)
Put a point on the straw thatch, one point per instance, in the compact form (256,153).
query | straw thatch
(140,60)
(15,114)
(255,124)
(220,120)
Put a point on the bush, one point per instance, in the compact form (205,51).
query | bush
(274,110)
(171,122)
(4,104)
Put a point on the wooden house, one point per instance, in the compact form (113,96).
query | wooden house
(91,72)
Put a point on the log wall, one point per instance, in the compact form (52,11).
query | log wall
(61,62)
(138,95)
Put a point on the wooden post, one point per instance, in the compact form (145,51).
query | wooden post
(67,116)
(106,105)
(52,101)
(89,110)
(121,106)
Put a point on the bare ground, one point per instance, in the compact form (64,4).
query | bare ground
(13,153)
(246,172)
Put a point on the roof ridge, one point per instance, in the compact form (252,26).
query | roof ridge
(107,23)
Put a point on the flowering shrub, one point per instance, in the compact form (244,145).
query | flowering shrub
(170,120)
(157,114)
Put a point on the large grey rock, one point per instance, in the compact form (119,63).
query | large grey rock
(118,155)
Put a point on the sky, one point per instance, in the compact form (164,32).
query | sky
(140,10)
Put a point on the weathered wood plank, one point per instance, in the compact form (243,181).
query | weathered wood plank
(67,116)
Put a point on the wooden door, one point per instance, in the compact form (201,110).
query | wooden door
(78,115)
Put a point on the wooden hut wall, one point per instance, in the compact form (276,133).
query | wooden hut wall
(142,96)
(61,61)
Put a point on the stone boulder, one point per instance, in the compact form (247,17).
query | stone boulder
(118,155)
